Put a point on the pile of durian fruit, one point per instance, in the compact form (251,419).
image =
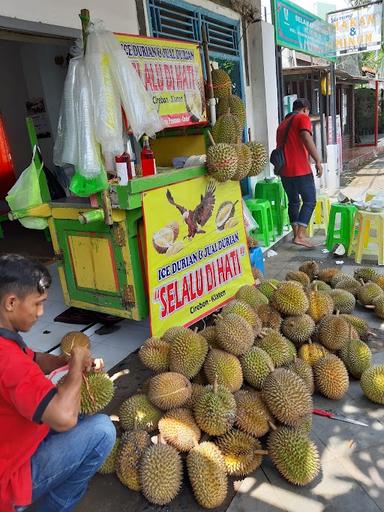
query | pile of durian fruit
(228,158)
(241,389)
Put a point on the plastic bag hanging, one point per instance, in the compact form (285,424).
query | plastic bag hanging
(66,150)
(89,161)
(140,111)
(105,97)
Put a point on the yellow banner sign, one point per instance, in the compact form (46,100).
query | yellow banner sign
(197,254)
(172,72)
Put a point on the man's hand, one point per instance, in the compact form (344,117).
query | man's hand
(81,356)
(319,169)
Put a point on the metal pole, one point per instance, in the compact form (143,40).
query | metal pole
(333,101)
(280,83)
(376,111)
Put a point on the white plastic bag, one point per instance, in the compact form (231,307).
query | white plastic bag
(105,97)
(249,222)
(137,102)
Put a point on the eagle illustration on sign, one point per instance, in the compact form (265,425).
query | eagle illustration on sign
(197,218)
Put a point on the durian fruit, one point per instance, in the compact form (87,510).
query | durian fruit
(290,299)
(97,391)
(295,456)
(197,390)
(326,274)
(368,293)
(304,371)
(227,129)
(256,365)
(215,410)
(246,311)
(331,377)
(356,356)
(73,339)
(311,268)
(132,446)
(179,429)
(366,274)
(137,412)
(286,396)
(154,354)
(244,161)
(161,473)
(292,349)
(300,277)
(234,334)
(251,295)
(221,83)
(224,367)
(372,383)
(359,324)
(252,415)
(222,161)
(209,334)
(276,346)
(320,286)
(303,424)
(379,279)
(169,390)
(207,474)
(109,465)
(311,352)
(170,333)
(242,453)
(344,301)
(235,105)
(268,286)
(333,332)
(187,353)
(340,276)
(379,307)
(270,318)
(259,158)
(320,305)
(350,285)
(298,329)
(257,273)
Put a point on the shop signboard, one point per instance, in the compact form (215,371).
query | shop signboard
(171,72)
(197,253)
(301,30)
(358,29)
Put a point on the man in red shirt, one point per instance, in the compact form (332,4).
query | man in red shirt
(47,454)
(296,176)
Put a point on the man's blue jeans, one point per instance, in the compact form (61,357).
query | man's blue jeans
(65,461)
(300,187)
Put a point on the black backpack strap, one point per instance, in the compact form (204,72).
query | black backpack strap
(287,130)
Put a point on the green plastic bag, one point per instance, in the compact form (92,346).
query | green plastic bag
(25,193)
(83,187)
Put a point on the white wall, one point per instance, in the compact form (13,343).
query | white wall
(119,15)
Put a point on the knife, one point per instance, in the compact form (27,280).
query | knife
(332,416)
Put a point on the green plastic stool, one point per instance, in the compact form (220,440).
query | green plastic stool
(343,233)
(262,213)
(273,191)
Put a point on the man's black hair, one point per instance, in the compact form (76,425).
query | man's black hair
(301,103)
(21,276)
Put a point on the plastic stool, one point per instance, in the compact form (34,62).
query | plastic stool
(273,191)
(262,213)
(256,257)
(343,233)
(362,237)
(320,216)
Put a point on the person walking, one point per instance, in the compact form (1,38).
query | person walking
(296,175)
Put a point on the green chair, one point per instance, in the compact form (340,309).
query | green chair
(261,211)
(341,233)
(273,191)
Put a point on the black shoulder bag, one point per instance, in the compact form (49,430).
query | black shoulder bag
(277,157)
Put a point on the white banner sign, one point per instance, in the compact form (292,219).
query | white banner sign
(357,30)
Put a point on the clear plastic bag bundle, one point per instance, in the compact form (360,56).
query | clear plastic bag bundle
(137,103)
(89,162)
(106,100)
